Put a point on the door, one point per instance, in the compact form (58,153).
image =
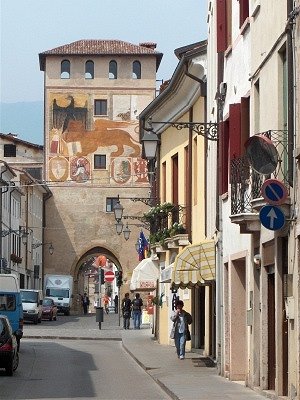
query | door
(271,332)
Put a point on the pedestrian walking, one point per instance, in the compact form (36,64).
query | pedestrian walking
(137,304)
(126,311)
(85,303)
(180,330)
(116,303)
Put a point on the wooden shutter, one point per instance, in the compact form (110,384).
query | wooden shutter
(221,26)
(244,11)
(235,130)
(223,156)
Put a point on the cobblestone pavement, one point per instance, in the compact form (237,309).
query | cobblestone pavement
(191,379)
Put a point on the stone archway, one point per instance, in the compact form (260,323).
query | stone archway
(87,266)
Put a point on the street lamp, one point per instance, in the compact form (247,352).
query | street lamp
(118,210)
(119,227)
(126,232)
(36,245)
(150,142)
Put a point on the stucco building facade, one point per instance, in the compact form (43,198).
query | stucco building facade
(94,92)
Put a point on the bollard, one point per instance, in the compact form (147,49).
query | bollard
(99,315)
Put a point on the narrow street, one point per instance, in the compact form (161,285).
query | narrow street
(72,358)
(67,369)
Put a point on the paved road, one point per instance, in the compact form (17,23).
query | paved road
(191,379)
(68,369)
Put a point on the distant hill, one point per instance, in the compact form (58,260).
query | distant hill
(26,119)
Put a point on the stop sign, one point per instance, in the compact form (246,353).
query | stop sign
(109,276)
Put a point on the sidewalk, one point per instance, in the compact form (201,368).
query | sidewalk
(194,378)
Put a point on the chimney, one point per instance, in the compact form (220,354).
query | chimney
(149,45)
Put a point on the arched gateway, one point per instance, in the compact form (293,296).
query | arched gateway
(85,273)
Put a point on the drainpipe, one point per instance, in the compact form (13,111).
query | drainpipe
(290,84)
(1,215)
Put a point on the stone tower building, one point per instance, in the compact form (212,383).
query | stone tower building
(94,91)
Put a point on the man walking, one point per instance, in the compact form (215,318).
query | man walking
(126,311)
(85,303)
(137,311)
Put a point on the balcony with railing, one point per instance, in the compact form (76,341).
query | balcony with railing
(167,224)
(246,183)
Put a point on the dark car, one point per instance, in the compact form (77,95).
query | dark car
(9,355)
(49,309)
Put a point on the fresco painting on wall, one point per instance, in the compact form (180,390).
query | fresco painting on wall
(59,169)
(69,137)
(80,169)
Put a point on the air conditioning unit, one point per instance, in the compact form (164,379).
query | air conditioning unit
(223,89)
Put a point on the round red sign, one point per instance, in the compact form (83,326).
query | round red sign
(109,276)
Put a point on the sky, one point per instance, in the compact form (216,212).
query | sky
(29,27)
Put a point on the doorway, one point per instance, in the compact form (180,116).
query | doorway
(271,332)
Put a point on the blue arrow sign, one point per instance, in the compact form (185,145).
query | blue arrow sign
(272,218)
(274,192)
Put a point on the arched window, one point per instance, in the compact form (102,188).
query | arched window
(113,70)
(136,70)
(89,70)
(65,69)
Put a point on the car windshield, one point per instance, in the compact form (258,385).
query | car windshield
(7,302)
(57,293)
(29,297)
(47,302)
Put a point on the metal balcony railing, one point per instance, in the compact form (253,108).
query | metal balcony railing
(246,183)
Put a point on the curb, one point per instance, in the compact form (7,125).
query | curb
(71,338)
(156,380)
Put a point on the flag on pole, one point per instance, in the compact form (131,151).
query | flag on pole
(143,246)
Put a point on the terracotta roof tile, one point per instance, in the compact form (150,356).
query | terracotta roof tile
(102,47)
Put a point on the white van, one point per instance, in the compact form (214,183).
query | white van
(32,305)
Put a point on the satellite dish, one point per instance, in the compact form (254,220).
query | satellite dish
(262,154)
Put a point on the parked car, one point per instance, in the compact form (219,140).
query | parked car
(9,355)
(49,309)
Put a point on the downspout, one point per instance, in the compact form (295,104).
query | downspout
(1,202)
(190,150)
(290,84)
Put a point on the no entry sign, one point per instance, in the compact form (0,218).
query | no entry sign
(109,276)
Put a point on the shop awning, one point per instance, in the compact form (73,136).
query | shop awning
(166,274)
(144,276)
(195,265)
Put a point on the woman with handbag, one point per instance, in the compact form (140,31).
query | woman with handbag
(182,319)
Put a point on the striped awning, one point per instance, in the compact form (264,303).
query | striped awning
(195,265)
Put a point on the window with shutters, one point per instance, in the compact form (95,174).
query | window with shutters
(100,107)
(244,11)
(224,16)
(10,150)
(223,160)
(99,161)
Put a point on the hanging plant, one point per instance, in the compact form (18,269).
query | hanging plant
(15,259)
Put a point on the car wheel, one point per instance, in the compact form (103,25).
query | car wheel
(9,368)
(16,361)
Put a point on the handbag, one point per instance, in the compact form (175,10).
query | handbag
(172,333)
(188,335)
